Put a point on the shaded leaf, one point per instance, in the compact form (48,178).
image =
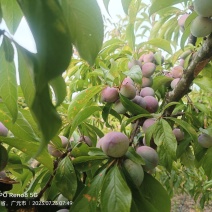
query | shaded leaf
(125,5)
(206,164)
(65,178)
(133,156)
(135,74)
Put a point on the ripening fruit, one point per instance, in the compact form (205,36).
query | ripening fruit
(148,69)
(128,90)
(3,157)
(151,104)
(3,130)
(139,101)
(182,20)
(114,144)
(109,94)
(205,140)
(201,27)
(133,63)
(119,107)
(147,123)
(148,57)
(203,7)
(177,72)
(147,82)
(127,80)
(147,91)
(174,82)
(135,171)
(150,157)
(85,139)
(178,134)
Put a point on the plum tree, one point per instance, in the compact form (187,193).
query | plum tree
(114,144)
(109,94)
(147,91)
(205,140)
(150,157)
(3,130)
(203,7)
(151,104)
(135,171)
(201,26)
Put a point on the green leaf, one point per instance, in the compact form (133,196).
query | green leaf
(206,164)
(50,31)
(130,35)
(8,49)
(131,106)
(81,100)
(26,73)
(30,148)
(21,128)
(155,194)
(161,80)
(89,197)
(83,115)
(59,87)
(135,74)
(166,142)
(186,127)
(8,84)
(80,149)
(159,5)
(11,14)
(160,43)
(115,192)
(85,25)
(125,5)
(133,156)
(65,178)
(204,83)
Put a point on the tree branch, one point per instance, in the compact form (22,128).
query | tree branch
(201,59)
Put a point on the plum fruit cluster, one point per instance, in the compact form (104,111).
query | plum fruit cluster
(201,26)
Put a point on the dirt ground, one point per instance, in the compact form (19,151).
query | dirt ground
(184,203)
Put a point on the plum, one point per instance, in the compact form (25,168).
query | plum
(151,104)
(178,134)
(148,69)
(147,123)
(135,171)
(109,94)
(201,26)
(203,7)
(177,72)
(85,139)
(139,101)
(174,82)
(3,130)
(205,140)
(147,82)
(150,157)
(148,57)
(147,91)
(127,80)
(128,90)
(114,144)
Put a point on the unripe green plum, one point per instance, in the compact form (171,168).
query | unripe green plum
(119,107)
(203,7)
(177,72)
(139,101)
(148,69)
(115,144)
(150,157)
(135,171)
(3,157)
(127,80)
(151,104)
(147,82)
(134,63)
(128,90)
(178,134)
(201,27)
(147,123)
(3,130)
(174,82)
(205,140)
(147,91)
(85,139)
(109,94)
